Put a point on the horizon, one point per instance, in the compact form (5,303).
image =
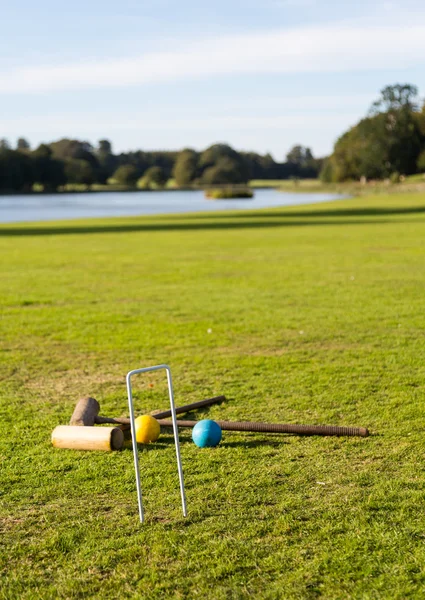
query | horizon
(94,145)
(160,77)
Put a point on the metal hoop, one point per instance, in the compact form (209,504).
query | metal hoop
(175,431)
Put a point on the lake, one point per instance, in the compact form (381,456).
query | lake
(48,207)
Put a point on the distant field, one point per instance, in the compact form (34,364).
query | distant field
(285,183)
(418,178)
(312,314)
(413,183)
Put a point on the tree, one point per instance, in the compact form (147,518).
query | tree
(300,155)
(222,164)
(4,144)
(163,159)
(214,153)
(104,148)
(254,164)
(327,172)
(396,97)
(375,148)
(16,171)
(155,176)
(79,171)
(420,119)
(399,104)
(226,170)
(301,162)
(388,141)
(22,144)
(185,167)
(49,172)
(66,148)
(107,161)
(126,175)
(421,162)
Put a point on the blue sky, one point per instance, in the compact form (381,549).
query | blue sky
(155,74)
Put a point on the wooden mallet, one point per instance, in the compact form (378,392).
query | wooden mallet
(81,433)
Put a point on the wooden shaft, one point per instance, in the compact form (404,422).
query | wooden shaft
(76,437)
(188,407)
(278,428)
(99,420)
(163,414)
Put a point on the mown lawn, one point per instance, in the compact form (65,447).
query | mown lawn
(317,315)
(413,183)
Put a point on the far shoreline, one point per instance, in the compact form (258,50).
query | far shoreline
(303,186)
(63,206)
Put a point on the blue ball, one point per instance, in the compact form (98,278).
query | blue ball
(206,433)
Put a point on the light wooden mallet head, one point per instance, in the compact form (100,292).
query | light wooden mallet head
(81,434)
(85,412)
(76,437)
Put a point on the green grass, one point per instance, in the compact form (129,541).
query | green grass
(305,184)
(418,178)
(317,315)
(413,183)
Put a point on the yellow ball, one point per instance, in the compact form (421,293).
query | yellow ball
(147,429)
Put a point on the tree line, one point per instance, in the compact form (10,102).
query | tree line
(54,165)
(388,143)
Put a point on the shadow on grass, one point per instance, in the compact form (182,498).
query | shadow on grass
(286,212)
(284,217)
(251,443)
(263,222)
(167,440)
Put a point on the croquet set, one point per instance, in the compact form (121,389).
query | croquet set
(82,433)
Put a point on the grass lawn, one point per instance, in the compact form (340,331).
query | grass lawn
(413,183)
(287,184)
(317,316)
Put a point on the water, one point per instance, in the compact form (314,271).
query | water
(46,207)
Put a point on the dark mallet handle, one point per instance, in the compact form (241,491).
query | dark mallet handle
(276,428)
(165,413)
(182,409)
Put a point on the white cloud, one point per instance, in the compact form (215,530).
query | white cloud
(307,49)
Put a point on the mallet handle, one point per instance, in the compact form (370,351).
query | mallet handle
(165,413)
(182,409)
(278,428)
